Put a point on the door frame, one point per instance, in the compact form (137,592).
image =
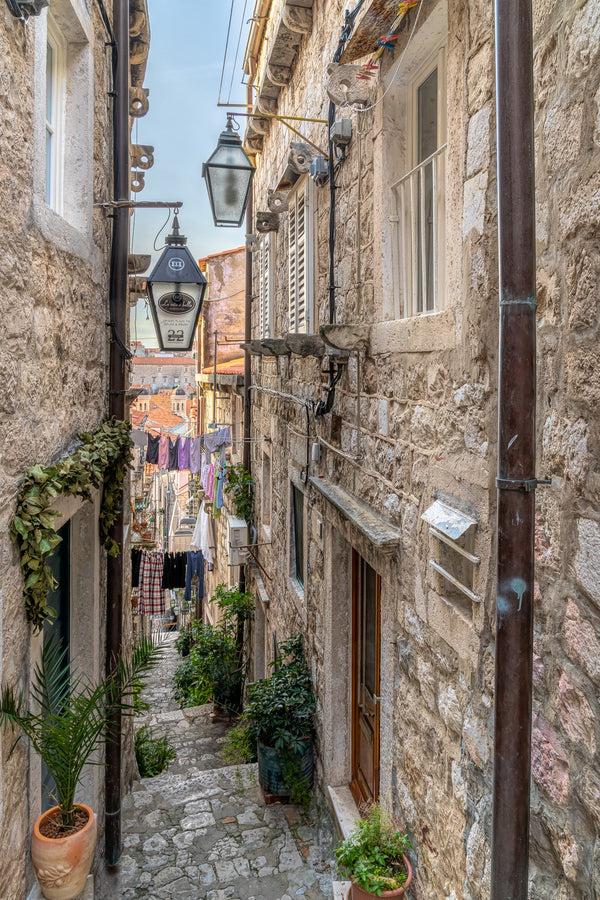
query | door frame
(355,782)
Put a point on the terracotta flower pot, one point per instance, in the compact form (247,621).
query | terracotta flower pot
(357,893)
(63,864)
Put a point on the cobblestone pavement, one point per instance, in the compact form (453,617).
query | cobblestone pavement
(202,829)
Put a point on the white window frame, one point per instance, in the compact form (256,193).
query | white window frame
(300,257)
(55,124)
(406,191)
(265,286)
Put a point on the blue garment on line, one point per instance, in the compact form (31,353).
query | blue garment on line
(194,566)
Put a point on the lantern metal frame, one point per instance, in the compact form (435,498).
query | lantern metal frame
(228,138)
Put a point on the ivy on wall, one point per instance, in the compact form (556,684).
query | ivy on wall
(101,460)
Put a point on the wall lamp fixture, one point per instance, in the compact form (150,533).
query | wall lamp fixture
(22,9)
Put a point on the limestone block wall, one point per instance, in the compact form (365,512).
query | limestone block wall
(414,420)
(53,363)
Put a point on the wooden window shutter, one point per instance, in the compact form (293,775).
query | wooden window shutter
(264,287)
(298,280)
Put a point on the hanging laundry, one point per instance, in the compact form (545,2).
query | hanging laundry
(136,559)
(184,453)
(152,449)
(151,600)
(216,510)
(209,487)
(195,566)
(163,452)
(203,537)
(173,454)
(195,454)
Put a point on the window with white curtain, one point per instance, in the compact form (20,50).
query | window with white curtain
(300,242)
(55,114)
(265,286)
(421,193)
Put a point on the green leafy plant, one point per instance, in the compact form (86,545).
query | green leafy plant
(280,708)
(153,754)
(372,854)
(279,711)
(239,483)
(183,641)
(186,688)
(238,747)
(101,460)
(233,603)
(216,660)
(69,717)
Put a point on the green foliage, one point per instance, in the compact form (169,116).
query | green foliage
(234,604)
(239,483)
(72,716)
(217,663)
(153,754)
(101,460)
(372,854)
(186,689)
(280,708)
(183,641)
(239,747)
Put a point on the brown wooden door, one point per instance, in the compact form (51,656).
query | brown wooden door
(366,591)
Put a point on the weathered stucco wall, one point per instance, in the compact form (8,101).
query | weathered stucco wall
(426,392)
(53,362)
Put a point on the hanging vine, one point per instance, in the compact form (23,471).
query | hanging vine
(101,460)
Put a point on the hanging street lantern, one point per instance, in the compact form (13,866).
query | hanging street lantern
(228,175)
(176,289)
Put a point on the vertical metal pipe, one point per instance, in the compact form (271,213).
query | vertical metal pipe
(119,309)
(248,321)
(516,449)
(215,382)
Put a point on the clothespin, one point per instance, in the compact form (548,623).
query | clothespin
(405,5)
(367,71)
(388,40)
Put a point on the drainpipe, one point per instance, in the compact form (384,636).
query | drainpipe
(119,308)
(248,319)
(516,449)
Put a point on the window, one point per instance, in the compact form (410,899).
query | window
(266,491)
(298,534)
(300,258)
(55,111)
(265,287)
(420,194)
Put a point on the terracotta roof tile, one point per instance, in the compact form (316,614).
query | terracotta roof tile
(233,367)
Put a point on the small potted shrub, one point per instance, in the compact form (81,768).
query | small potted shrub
(373,857)
(279,712)
(66,722)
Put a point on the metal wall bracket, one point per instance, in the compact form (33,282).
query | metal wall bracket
(520,484)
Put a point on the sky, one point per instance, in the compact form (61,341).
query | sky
(183,123)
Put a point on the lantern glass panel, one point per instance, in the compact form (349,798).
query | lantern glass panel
(228,176)
(175,312)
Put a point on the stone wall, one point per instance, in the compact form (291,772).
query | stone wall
(53,363)
(414,419)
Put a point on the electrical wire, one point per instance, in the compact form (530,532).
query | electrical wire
(225,53)
(161,230)
(237,51)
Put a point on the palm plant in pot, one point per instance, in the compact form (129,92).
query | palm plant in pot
(67,721)
(374,858)
(279,712)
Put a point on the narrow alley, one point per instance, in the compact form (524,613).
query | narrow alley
(202,829)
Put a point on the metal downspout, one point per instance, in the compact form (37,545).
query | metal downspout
(516,449)
(119,308)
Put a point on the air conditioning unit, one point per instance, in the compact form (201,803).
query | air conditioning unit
(237,541)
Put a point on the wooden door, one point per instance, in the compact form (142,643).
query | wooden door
(366,592)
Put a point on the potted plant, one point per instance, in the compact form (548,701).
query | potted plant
(373,857)
(279,712)
(71,721)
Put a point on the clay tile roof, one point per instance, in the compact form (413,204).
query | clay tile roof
(233,367)
(137,417)
(162,418)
